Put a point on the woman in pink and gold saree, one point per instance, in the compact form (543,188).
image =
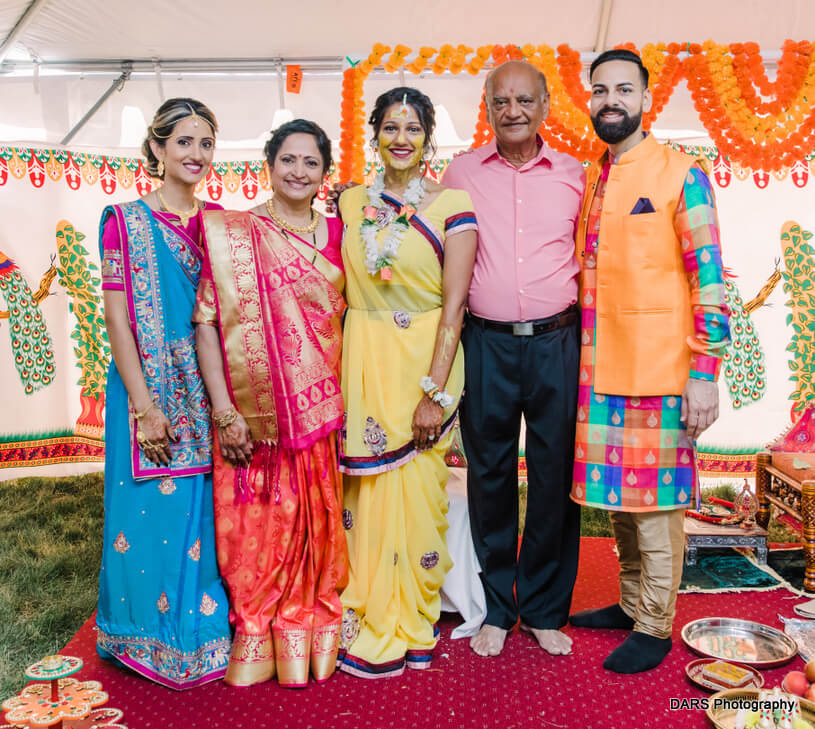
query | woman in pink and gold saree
(271,294)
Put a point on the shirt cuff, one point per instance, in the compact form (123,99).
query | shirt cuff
(705,367)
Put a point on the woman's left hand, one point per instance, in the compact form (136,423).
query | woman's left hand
(427,421)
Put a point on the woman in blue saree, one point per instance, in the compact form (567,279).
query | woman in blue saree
(162,608)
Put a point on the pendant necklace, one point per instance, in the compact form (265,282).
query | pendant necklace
(284,226)
(183,215)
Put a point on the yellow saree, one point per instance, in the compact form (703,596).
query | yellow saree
(394,500)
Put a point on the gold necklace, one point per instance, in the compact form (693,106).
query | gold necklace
(310,228)
(184,215)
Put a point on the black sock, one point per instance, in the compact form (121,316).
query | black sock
(607,617)
(639,652)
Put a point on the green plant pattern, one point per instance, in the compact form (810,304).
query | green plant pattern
(799,285)
(78,276)
(743,362)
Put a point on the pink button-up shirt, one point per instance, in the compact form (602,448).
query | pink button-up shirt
(525,266)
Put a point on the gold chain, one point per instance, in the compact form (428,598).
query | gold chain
(310,228)
(184,215)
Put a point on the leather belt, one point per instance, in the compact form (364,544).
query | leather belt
(528,328)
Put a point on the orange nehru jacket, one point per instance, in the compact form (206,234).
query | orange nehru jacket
(644,314)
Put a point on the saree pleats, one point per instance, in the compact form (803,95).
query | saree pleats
(399,559)
(282,559)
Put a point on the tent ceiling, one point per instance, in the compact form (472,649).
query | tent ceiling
(99,29)
(43,109)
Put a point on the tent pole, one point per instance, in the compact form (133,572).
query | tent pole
(602,27)
(281,85)
(28,15)
(117,85)
(159,84)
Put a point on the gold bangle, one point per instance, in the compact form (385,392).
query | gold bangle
(139,416)
(225,419)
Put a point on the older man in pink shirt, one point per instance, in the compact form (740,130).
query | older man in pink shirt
(521,358)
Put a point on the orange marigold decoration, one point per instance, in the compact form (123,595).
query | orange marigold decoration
(483,132)
(481,57)
(750,73)
(759,124)
(568,127)
(664,72)
(352,122)
(396,59)
(750,133)
(420,62)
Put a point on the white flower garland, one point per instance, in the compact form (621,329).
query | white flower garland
(377,217)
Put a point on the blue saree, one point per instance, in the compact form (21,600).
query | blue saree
(162,608)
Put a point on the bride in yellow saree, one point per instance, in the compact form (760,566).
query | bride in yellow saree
(409,249)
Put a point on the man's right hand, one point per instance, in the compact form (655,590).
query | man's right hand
(333,196)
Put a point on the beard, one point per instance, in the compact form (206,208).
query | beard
(616,132)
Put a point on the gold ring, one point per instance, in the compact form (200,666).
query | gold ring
(141,438)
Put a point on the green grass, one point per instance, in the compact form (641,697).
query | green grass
(50,548)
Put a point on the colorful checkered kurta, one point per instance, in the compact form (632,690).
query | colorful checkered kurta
(633,453)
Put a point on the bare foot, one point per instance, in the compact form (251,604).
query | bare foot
(489,641)
(552,641)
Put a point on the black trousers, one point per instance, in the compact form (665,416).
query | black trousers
(535,376)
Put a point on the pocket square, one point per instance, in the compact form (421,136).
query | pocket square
(643,205)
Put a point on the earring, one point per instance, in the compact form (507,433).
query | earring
(160,168)
(375,144)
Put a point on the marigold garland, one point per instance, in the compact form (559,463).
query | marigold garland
(758,124)
(768,142)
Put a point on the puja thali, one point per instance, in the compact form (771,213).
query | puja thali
(740,641)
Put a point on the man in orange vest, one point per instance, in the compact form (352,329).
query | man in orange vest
(653,331)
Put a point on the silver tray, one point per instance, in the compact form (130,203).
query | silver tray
(742,641)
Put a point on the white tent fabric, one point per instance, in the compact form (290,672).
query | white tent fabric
(64,30)
(42,107)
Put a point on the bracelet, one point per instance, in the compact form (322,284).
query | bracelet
(435,393)
(225,419)
(443,398)
(428,385)
(139,416)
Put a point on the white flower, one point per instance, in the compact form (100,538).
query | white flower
(379,255)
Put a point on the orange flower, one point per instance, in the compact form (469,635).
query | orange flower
(756,122)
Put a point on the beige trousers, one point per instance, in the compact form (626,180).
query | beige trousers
(651,547)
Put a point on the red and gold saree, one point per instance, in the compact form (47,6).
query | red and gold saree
(278,524)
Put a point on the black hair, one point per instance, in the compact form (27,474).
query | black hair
(621,54)
(166,117)
(412,97)
(298,126)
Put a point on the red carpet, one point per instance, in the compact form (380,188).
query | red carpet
(524,687)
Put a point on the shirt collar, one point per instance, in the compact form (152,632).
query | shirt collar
(637,152)
(489,152)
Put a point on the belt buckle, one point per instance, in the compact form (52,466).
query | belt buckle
(522,329)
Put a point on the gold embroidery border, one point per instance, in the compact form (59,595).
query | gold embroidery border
(229,243)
